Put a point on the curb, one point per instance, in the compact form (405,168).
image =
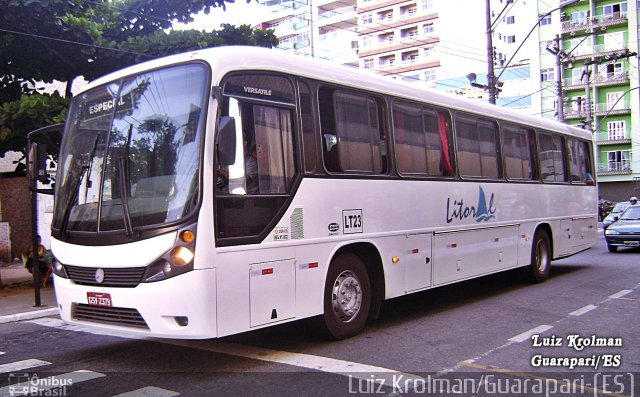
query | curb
(28,315)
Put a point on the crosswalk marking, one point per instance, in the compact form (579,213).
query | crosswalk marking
(22,365)
(42,385)
(149,391)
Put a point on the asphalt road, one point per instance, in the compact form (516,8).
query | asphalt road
(478,337)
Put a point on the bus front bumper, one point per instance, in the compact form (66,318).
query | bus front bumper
(182,307)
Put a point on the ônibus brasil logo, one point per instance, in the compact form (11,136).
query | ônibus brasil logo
(481,212)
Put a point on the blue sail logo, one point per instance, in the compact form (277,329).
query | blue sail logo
(481,212)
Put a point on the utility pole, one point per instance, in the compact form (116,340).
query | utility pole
(559,56)
(586,73)
(491,86)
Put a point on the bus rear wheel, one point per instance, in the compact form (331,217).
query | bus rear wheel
(540,267)
(347,296)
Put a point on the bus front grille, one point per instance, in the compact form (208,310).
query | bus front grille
(120,316)
(113,277)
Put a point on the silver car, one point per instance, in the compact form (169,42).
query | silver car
(615,213)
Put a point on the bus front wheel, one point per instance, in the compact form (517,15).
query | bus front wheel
(347,296)
(540,267)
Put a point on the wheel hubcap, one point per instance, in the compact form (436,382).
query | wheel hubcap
(346,296)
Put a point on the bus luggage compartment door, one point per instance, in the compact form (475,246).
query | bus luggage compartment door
(418,266)
(464,254)
(272,291)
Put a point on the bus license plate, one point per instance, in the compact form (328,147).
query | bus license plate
(632,243)
(98,299)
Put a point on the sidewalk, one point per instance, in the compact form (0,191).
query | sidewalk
(17,295)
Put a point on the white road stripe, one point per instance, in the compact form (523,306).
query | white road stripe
(620,294)
(583,310)
(22,365)
(43,385)
(302,360)
(1,353)
(149,391)
(528,334)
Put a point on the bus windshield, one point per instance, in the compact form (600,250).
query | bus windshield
(131,152)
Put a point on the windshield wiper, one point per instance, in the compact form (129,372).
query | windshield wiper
(67,209)
(89,183)
(124,188)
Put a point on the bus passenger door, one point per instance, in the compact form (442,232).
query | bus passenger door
(418,261)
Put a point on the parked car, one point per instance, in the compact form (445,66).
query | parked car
(615,212)
(625,231)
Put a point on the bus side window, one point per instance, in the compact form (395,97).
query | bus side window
(352,132)
(309,144)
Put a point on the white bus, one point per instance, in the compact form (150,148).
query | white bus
(230,189)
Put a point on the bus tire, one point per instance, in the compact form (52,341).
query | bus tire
(347,296)
(540,266)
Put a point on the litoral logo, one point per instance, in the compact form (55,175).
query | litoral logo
(480,212)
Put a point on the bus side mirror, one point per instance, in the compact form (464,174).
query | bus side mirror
(226,141)
(38,162)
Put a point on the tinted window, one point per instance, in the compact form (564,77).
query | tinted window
(308,132)
(580,161)
(423,141)
(477,147)
(517,146)
(551,155)
(353,139)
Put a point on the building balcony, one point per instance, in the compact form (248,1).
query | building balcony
(573,114)
(609,79)
(341,18)
(601,80)
(583,52)
(393,45)
(613,138)
(584,25)
(614,168)
(622,107)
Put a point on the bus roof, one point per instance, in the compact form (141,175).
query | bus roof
(233,58)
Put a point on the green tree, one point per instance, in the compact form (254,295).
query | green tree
(46,40)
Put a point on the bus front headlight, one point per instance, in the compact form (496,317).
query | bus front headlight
(58,268)
(181,256)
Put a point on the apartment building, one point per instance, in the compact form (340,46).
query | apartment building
(596,48)
(324,29)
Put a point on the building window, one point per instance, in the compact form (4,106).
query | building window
(619,160)
(367,41)
(428,28)
(427,51)
(546,20)
(616,130)
(510,20)
(427,4)
(615,11)
(510,39)
(547,74)
(430,75)
(367,19)
(368,63)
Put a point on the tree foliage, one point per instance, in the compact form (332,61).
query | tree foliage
(46,40)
